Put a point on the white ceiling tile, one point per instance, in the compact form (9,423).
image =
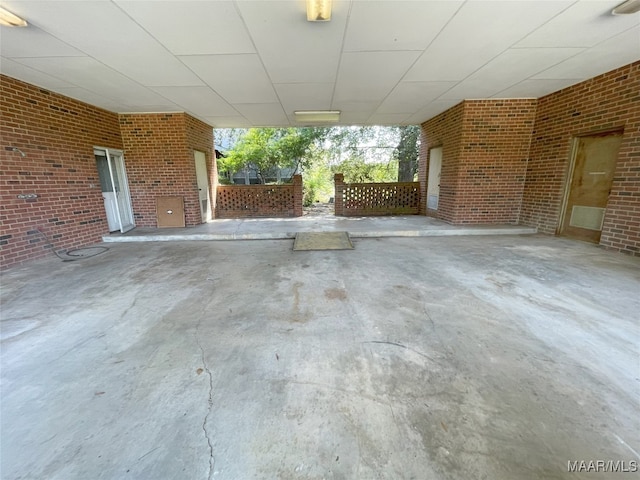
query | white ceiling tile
(94,27)
(213,27)
(94,76)
(535,88)
(583,24)
(471,89)
(93,99)
(398,25)
(126,46)
(35,77)
(292,49)
(434,108)
(200,100)
(151,109)
(33,42)
(228,122)
(354,118)
(370,76)
(388,118)
(102,30)
(263,114)
(366,108)
(153,69)
(304,96)
(478,32)
(237,78)
(600,59)
(408,97)
(508,69)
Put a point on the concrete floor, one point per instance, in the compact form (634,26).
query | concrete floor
(426,358)
(284,228)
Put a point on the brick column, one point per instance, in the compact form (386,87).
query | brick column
(338,180)
(297,195)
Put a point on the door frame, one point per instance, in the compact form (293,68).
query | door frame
(208,215)
(123,184)
(573,152)
(568,181)
(437,147)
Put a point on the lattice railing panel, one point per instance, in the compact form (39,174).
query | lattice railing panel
(381,198)
(234,201)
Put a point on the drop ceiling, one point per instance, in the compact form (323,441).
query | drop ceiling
(253,63)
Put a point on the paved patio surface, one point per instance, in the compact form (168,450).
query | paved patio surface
(283,228)
(495,357)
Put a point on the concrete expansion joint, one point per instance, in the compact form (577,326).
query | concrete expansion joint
(205,429)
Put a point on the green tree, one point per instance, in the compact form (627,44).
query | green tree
(265,150)
(407,152)
(357,170)
(317,181)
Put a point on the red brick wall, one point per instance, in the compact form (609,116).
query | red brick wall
(495,148)
(605,103)
(57,135)
(444,130)
(158,151)
(485,149)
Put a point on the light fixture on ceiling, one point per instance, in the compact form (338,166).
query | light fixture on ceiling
(625,8)
(8,19)
(317,116)
(318,10)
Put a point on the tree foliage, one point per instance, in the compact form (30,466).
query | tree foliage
(363,154)
(356,170)
(407,152)
(266,150)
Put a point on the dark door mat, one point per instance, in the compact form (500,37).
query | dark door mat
(322,241)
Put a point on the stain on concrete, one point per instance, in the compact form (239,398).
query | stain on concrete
(335,293)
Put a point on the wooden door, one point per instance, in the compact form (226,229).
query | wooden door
(594,164)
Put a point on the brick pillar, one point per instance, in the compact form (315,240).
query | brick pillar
(338,180)
(297,195)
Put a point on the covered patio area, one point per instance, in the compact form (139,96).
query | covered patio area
(494,357)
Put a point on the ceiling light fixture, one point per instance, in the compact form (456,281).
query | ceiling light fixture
(625,8)
(318,10)
(317,116)
(8,19)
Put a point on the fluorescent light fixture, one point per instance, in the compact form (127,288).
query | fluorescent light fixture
(318,10)
(317,116)
(625,8)
(8,19)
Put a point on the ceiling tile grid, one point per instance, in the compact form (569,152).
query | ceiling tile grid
(240,63)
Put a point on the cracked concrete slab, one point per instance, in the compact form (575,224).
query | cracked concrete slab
(440,358)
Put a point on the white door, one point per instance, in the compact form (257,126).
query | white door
(115,189)
(433,180)
(202,176)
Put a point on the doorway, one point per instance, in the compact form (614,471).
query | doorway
(115,189)
(591,171)
(433,180)
(202,177)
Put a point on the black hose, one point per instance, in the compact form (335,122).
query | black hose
(72,254)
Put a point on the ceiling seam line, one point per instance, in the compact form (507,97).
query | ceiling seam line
(177,59)
(418,58)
